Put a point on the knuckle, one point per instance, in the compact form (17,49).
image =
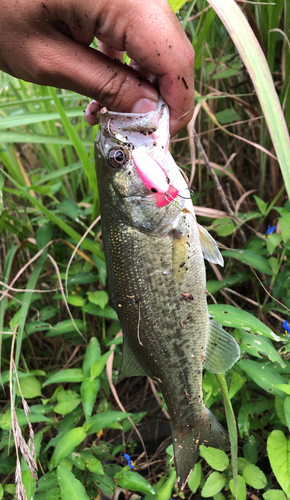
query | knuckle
(189,56)
(112,91)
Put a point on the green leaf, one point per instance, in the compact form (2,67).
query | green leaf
(98,366)
(195,477)
(164,493)
(82,279)
(29,483)
(263,376)
(52,494)
(10,488)
(66,326)
(89,392)
(107,312)
(254,476)
(136,418)
(219,496)
(93,352)
(214,483)
(285,214)
(5,423)
(102,268)
(257,344)
(284,388)
(67,444)
(76,300)
(278,448)
(262,205)
(285,229)
(217,459)
(106,419)
(287,410)
(105,483)
(94,465)
(227,115)
(1,492)
(250,258)
(67,401)
(238,318)
(100,298)
(132,481)
(250,450)
(243,419)
(213,286)
(279,407)
(224,226)
(30,387)
(71,488)
(242,490)
(237,383)
(69,375)
(274,495)
(272,241)
(70,208)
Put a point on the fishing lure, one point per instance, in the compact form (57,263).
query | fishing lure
(154,177)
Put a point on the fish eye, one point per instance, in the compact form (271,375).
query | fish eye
(118,157)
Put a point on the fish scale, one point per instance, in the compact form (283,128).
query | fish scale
(157,282)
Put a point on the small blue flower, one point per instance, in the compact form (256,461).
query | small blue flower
(128,458)
(286,328)
(270,230)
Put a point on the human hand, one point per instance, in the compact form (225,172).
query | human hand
(47,42)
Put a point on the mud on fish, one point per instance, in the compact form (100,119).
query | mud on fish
(155,254)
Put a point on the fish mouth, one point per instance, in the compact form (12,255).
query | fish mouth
(144,123)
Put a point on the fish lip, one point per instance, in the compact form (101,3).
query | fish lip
(104,112)
(149,120)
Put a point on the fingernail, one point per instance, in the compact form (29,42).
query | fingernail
(144,106)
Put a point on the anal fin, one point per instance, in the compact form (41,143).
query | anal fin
(130,366)
(222,351)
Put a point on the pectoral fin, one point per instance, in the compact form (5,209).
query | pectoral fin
(222,351)
(209,247)
(130,366)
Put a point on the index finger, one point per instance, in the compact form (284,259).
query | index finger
(155,39)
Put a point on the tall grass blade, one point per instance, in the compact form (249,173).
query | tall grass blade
(256,64)
(80,149)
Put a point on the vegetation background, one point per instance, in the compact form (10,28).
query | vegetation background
(56,351)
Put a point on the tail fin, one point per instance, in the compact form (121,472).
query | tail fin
(187,440)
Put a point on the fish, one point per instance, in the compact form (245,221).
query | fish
(155,252)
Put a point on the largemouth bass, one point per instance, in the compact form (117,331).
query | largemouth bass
(155,257)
